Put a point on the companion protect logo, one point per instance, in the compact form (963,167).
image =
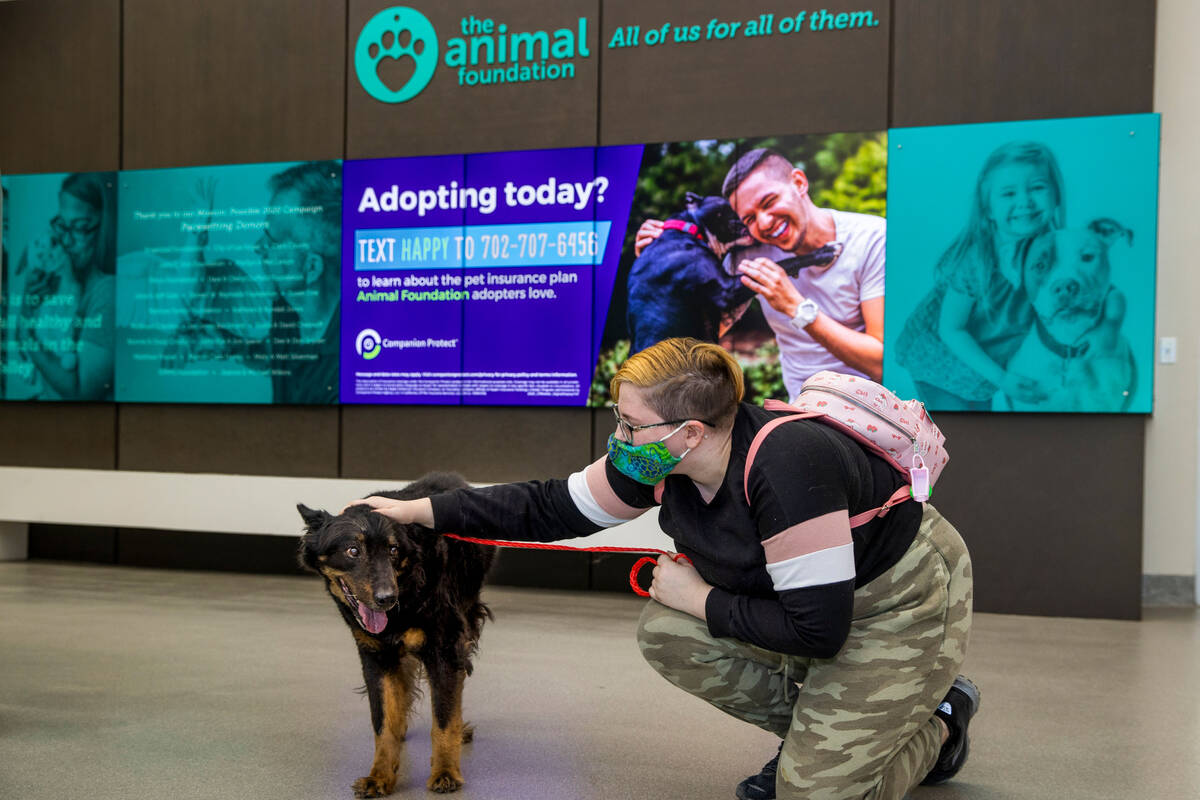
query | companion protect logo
(369,343)
(397,33)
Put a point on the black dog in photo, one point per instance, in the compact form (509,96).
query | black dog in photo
(411,600)
(679,286)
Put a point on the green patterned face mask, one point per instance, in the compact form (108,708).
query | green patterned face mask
(646,463)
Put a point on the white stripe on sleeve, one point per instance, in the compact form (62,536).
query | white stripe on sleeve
(586,502)
(831,565)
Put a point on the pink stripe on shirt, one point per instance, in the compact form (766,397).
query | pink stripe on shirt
(812,535)
(603,494)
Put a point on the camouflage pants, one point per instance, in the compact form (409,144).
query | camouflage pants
(860,724)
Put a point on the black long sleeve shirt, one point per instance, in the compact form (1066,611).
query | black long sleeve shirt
(784,567)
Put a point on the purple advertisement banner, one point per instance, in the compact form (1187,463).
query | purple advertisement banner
(480,279)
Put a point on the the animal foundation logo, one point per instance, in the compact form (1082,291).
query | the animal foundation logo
(402,41)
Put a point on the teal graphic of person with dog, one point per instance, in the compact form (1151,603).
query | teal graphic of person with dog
(61,295)
(1030,304)
(240,287)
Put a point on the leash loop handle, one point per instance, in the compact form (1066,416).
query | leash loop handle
(641,562)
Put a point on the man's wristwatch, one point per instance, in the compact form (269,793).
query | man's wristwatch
(806,314)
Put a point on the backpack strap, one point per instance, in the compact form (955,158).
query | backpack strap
(899,496)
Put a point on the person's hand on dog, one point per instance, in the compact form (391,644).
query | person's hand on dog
(1024,389)
(771,283)
(406,512)
(651,229)
(678,585)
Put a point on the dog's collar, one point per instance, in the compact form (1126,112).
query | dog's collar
(1069,350)
(1059,349)
(681,225)
(821,257)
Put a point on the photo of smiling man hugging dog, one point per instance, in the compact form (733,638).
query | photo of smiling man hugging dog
(829,315)
(816,270)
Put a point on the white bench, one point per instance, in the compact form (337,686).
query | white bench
(253,504)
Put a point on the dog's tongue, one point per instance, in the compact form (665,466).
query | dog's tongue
(373,621)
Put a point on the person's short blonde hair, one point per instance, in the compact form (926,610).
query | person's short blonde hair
(685,379)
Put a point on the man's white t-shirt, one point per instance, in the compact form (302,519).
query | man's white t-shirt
(838,290)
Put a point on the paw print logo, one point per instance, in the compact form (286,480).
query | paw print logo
(403,35)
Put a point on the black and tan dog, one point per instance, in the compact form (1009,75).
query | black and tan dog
(411,599)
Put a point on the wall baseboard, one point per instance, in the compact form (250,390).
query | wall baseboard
(1168,590)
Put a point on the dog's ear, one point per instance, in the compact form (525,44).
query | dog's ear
(1110,231)
(314,519)
(693,200)
(306,553)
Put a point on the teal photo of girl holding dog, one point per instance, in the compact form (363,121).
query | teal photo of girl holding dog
(958,341)
(59,304)
(1001,300)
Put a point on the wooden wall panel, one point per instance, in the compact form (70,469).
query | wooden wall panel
(225,81)
(448,118)
(488,445)
(68,435)
(803,82)
(1051,509)
(60,62)
(959,61)
(293,441)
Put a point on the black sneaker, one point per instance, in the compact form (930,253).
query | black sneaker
(762,785)
(961,703)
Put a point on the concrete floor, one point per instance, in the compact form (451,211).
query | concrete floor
(127,683)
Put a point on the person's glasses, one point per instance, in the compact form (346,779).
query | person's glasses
(79,227)
(628,430)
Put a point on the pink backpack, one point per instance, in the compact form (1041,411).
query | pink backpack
(900,431)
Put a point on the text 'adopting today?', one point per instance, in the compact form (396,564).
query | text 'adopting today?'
(484,199)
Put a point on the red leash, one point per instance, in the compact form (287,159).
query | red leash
(633,573)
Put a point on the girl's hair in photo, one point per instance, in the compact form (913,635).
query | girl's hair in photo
(969,263)
(98,190)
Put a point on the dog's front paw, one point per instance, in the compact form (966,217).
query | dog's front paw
(373,786)
(445,781)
